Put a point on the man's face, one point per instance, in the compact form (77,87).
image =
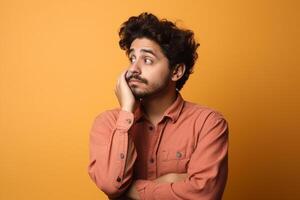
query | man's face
(149,69)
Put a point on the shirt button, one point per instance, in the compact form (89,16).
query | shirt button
(151,160)
(178,154)
(119,179)
(129,121)
(122,156)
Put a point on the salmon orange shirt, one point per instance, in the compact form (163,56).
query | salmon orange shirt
(190,139)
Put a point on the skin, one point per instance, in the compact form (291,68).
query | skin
(151,80)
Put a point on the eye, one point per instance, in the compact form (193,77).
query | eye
(148,61)
(132,59)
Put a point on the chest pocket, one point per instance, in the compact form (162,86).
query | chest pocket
(173,161)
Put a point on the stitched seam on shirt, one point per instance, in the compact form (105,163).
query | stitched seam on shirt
(201,128)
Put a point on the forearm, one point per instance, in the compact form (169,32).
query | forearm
(167,178)
(112,154)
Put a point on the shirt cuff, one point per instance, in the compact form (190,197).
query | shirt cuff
(125,120)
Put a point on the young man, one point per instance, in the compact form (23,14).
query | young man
(157,145)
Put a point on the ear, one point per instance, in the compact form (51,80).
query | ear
(178,72)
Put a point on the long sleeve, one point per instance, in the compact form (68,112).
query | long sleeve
(207,170)
(112,152)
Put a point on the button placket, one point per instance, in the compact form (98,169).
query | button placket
(156,139)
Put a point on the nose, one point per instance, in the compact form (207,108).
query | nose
(135,67)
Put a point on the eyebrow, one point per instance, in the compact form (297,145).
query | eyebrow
(145,51)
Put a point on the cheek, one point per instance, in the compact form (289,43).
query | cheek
(157,77)
(163,74)
(157,72)
(159,80)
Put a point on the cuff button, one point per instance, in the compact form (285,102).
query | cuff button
(178,154)
(119,179)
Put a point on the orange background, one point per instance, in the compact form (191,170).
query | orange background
(59,61)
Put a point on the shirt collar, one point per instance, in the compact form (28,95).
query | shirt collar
(172,112)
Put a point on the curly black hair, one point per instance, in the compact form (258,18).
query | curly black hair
(178,45)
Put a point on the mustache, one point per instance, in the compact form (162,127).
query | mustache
(129,75)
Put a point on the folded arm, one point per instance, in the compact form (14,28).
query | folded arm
(167,178)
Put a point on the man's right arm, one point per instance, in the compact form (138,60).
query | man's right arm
(112,152)
(133,194)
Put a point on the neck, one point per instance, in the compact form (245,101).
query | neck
(155,106)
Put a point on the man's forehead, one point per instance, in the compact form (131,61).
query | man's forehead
(144,45)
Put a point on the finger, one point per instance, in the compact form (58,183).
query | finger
(117,85)
(119,80)
(123,76)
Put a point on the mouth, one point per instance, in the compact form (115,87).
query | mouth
(135,81)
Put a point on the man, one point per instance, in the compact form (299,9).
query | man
(157,145)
